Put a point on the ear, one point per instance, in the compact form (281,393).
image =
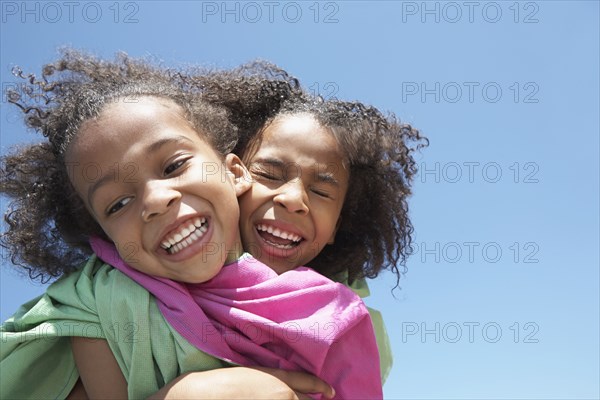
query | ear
(239,173)
(337,225)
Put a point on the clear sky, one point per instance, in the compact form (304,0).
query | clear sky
(501,298)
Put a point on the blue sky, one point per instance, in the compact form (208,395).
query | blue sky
(501,298)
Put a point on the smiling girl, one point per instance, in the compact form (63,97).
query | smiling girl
(161,208)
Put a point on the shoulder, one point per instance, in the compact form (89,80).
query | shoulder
(94,284)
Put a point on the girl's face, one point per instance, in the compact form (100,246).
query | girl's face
(158,190)
(299,184)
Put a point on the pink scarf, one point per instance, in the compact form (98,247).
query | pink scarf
(248,315)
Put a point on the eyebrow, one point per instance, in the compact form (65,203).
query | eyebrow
(325,177)
(153,148)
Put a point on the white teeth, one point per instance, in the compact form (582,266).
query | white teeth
(278,233)
(280,246)
(185,236)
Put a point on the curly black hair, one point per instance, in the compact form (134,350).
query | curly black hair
(48,224)
(49,227)
(375,230)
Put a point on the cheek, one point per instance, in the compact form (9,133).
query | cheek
(327,221)
(247,204)
(230,210)
(130,252)
(125,235)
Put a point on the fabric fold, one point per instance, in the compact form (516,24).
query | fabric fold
(100,302)
(249,315)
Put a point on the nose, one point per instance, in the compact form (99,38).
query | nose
(158,199)
(292,196)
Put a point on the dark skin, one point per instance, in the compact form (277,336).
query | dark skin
(258,95)
(99,371)
(78,392)
(101,377)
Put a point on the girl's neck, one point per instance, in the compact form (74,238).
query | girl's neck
(235,252)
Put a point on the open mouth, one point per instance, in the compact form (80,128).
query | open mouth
(187,234)
(277,237)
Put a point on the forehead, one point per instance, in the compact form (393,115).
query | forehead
(299,141)
(127,123)
(289,126)
(300,135)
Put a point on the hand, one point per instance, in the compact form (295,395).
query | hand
(244,383)
(301,382)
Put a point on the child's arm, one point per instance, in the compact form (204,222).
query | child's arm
(78,392)
(102,378)
(243,383)
(98,369)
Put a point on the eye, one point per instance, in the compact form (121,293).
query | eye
(174,166)
(265,174)
(321,193)
(118,205)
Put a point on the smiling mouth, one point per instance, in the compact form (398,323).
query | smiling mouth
(185,235)
(278,237)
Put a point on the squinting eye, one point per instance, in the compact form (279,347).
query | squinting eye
(175,166)
(118,205)
(265,175)
(320,193)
